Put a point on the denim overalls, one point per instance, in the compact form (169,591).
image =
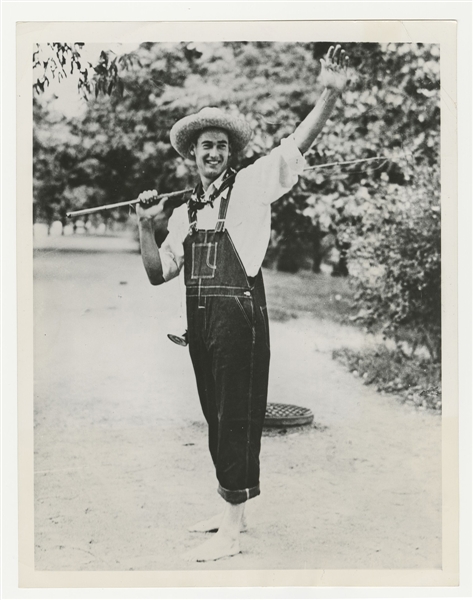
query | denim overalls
(229,347)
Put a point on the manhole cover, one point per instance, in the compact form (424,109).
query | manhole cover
(287,415)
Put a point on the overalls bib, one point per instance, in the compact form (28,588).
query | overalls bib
(229,347)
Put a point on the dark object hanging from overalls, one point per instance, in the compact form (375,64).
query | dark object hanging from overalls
(180,340)
(229,347)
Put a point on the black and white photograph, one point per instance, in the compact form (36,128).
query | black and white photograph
(238,305)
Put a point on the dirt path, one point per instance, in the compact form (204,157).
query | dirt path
(121,459)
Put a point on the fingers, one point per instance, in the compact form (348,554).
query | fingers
(147,197)
(333,54)
(337,56)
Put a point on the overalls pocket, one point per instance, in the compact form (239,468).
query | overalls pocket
(204,260)
(246,307)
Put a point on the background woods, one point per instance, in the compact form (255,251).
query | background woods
(383,217)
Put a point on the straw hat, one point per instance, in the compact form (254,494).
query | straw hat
(185,131)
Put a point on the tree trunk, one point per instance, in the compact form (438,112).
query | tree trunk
(341,269)
(317,249)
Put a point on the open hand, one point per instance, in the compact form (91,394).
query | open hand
(334,69)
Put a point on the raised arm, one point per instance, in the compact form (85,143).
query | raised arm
(334,77)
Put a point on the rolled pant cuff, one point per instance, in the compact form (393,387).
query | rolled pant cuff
(238,496)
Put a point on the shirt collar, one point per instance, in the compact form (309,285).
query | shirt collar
(215,184)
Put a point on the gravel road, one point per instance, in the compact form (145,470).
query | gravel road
(121,460)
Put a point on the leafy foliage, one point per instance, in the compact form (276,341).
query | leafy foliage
(57,60)
(415,380)
(384,215)
(51,61)
(395,262)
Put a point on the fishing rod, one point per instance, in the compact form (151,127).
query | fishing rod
(346,162)
(88,211)
(182,340)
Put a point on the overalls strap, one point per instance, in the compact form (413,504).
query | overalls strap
(222,213)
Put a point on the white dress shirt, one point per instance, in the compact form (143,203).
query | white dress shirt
(249,213)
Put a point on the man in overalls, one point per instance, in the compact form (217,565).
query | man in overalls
(220,238)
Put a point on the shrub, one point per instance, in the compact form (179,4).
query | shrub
(413,379)
(395,262)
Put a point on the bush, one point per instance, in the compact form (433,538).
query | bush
(414,379)
(387,221)
(395,263)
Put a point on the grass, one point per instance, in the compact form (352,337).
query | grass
(413,379)
(307,294)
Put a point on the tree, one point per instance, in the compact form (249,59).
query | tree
(388,221)
(54,153)
(392,108)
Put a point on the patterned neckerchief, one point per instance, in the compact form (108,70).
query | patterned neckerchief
(198,200)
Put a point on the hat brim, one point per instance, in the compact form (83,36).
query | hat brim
(185,131)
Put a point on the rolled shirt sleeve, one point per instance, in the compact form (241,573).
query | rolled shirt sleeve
(172,249)
(292,156)
(272,176)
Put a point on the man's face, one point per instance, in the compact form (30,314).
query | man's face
(212,153)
